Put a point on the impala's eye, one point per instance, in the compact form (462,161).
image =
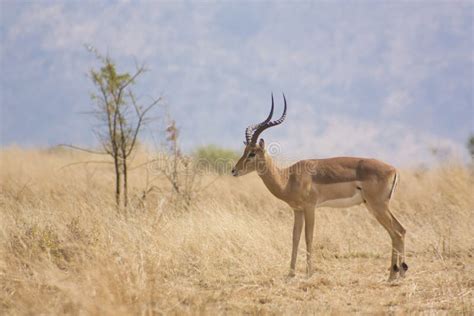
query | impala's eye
(251,155)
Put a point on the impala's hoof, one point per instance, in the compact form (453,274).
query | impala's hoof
(393,273)
(404,268)
(395,268)
(291,274)
(392,278)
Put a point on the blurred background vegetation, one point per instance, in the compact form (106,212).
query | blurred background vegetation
(215,159)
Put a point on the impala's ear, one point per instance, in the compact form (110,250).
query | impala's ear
(261,143)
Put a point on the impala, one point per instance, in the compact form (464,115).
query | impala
(333,182)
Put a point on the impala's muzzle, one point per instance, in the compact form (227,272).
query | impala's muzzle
(235,173)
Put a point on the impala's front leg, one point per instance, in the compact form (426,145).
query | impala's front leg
(297,228)
(308,232)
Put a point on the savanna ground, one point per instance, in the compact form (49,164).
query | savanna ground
(66,250)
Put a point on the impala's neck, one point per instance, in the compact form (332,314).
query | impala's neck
(272,176)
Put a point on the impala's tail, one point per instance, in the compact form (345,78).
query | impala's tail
(394,184)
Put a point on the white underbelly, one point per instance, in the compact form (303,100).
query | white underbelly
(356,199)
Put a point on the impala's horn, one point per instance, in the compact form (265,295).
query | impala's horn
(259,128)
(250,129)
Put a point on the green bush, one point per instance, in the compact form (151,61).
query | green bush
(215,159)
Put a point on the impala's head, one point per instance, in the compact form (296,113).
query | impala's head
(254,151)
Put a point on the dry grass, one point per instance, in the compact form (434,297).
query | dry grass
(65,249)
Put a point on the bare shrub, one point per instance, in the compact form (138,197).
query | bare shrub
(120,118)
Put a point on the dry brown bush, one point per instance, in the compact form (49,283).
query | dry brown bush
(65,249)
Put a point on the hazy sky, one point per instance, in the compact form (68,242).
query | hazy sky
(374,78)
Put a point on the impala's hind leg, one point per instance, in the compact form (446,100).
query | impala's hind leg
(396,231)
(401,249)
(400,232)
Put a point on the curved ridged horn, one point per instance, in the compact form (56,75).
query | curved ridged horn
(249,130)
(263,127)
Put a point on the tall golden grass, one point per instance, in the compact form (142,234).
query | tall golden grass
(66,250)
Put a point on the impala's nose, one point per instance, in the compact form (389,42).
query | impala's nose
(234,172)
